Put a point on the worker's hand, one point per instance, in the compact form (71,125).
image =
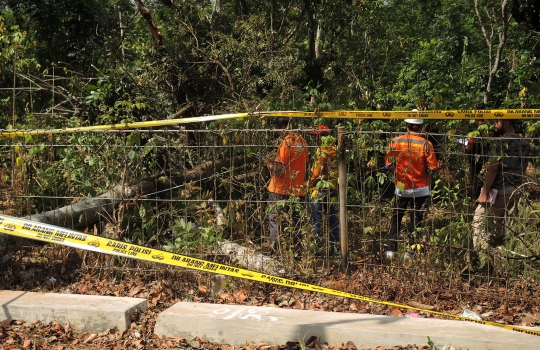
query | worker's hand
(269,164)
(482,198)
(275,168)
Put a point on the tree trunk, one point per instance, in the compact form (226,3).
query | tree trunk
(156,34)
(243,8)
(312,29)
(84,213)
(318,42)
(494,60)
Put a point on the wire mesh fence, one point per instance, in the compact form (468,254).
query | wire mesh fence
(188,191)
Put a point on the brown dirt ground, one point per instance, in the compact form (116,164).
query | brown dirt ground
(29,266)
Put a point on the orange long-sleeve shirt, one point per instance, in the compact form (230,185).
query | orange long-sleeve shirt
(412,157)
(294,154)
(324,166)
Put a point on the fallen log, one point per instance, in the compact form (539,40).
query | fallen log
(85,213)
(250,258)
(244,257)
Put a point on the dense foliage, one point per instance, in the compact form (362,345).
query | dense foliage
(78,62)
(224,56)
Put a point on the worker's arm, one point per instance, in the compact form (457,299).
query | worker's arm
(275,168)
(489,178)
(315,170)
(389,161)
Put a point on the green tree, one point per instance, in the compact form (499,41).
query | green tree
(73,32)
(15,57)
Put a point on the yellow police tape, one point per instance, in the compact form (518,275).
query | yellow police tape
(10,133)
(522,114)
(54,234)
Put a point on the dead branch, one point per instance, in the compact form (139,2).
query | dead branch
(84,213)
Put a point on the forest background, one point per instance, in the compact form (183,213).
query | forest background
(134,60)
(93,62)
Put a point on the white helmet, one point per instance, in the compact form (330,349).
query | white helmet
(414,121)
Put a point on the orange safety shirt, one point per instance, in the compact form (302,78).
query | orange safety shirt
(324,166)
(412,156)
(294,154)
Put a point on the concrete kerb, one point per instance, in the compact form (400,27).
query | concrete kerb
(84,312)
(240,325)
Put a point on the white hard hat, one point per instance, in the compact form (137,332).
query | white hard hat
(414,121)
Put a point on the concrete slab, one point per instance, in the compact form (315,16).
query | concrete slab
(238,325)
(84,312)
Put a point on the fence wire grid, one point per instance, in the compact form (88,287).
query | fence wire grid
(188,190)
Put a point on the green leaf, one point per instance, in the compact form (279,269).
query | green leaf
(132,154)
(430,343)
(142,212)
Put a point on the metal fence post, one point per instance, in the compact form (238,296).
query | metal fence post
(342,186)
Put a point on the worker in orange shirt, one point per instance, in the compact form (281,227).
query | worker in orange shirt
(323,186)
(288,172)
(412,158)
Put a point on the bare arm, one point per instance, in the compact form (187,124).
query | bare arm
(275,168)
(489,178)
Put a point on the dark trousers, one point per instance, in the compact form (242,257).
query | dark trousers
(275,216)
(475,167)
(320,206)
(416,216)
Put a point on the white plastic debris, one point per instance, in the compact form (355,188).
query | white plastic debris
(470,314)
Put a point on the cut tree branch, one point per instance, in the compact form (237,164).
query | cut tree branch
(156,34)
(84,213)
